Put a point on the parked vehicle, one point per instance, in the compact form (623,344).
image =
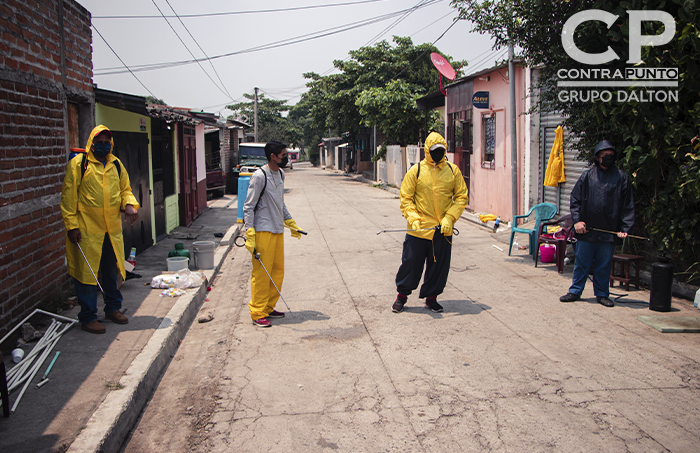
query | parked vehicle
(251,156)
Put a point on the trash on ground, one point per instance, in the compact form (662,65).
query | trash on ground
(184,278)
(172,292)
(208,317)
(496,247)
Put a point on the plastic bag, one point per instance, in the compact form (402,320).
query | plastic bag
(184,278)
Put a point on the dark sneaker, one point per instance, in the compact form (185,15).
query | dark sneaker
(262,322)
(605,301)
(569,297)
(117,317)
(276,314)
(399,303)
(431,303)
(94,327)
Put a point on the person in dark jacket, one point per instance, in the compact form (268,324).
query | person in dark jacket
(601,200)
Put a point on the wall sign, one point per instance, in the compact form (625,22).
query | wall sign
(480,100)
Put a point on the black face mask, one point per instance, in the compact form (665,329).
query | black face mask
(285,161)
(607,161)
(102,149)
(437,155)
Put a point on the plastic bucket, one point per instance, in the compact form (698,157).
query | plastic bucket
(547,252)
(243,182)
(177,263)
(204,254)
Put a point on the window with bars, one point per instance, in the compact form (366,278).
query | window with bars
(488,141)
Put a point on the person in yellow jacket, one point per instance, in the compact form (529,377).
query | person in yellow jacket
(265,216)
(433,194)
(95,190)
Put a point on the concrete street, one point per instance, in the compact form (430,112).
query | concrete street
(505,368)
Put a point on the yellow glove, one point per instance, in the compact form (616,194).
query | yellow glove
(415,225)
(446,226)
(250,240)
(293,225)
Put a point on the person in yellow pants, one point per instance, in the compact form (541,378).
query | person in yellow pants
(265,217)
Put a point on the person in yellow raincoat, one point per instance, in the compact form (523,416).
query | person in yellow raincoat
(95,189)
(433,193)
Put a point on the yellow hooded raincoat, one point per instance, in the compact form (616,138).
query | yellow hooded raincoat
(93,205)
(439,192)
(555,167)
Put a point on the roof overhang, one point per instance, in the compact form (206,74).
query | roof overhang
(121,101)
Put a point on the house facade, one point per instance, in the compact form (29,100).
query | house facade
(47,107)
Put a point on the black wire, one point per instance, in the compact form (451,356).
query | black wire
(244,12)
(273,45)
(200,48)
(115,54)
(188,49)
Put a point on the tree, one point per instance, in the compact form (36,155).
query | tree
(393,109)
(153,100)
(659,140)
(332,99)
(272,125)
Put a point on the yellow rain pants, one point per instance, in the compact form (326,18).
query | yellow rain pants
(263,294)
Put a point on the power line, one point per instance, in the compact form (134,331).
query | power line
(200,48)
(230,13)
(115,54)
(188,49)
(281,43)
(423,53)
(398,21)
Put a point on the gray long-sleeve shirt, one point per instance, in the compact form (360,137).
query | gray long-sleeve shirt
(271,212)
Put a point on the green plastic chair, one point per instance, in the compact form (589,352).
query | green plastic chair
(543,213)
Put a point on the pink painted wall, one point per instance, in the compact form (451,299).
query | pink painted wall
(490,190)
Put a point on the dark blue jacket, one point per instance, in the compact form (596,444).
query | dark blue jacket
(603,199)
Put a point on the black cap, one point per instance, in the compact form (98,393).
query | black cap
(602,146)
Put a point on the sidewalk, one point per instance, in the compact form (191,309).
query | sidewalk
(100,383)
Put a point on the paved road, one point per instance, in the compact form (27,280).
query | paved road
(506,367)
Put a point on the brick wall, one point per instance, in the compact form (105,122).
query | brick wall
(43,66)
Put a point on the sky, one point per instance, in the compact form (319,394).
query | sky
(226,35)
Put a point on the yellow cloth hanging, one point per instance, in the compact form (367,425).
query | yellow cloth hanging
(486,217)
(555,167)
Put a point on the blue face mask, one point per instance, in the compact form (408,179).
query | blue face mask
(101,150)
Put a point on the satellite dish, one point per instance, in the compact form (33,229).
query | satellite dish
(443,66)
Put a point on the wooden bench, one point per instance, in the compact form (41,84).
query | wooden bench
(623,275)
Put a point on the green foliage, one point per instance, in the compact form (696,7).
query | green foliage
(401,72)
(658,142)
(153,100)
(381,153)
(393,109)
(271,124)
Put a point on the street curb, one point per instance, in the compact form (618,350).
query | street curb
(116,416)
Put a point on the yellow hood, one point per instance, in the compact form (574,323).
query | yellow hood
(433,139)
(95,132)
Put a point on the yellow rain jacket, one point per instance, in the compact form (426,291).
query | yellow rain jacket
(555,167)
(439,191)
(93,205)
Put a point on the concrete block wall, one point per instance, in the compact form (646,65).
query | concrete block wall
(45,62)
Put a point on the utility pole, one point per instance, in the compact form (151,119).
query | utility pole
(255,116)
(513,138)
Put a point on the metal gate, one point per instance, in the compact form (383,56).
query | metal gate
(559,196)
